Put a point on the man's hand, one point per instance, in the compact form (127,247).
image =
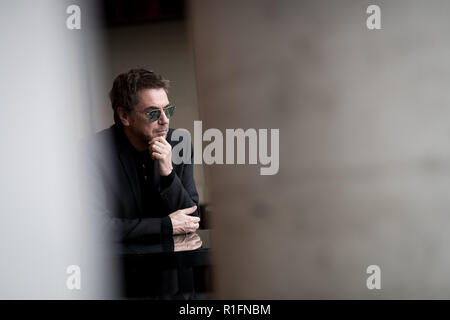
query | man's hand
(182,222)
(161,150)
(191,241)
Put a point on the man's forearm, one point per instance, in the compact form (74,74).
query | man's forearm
(176,196)
(129,229)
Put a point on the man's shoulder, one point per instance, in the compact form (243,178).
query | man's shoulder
(101,140)
(105,134)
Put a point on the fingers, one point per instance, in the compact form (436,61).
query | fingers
(193,228)
(188,210)
(182,222)
(191,223)
(195,244)
(158,150)
(192,219)
(164,141)
(192,237)
(155,139)
(158,146)
(189,242)
(184,211)
(198,243)
(193,241)
(157,156)
(189,226)
(160,139)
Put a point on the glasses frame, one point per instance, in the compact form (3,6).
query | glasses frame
(154,115)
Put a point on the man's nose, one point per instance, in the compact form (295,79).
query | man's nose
(163,118)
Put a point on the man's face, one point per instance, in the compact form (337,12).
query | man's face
(144,130)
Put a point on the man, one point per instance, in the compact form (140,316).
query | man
(136,188)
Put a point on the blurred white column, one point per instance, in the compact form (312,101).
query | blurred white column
(47,72)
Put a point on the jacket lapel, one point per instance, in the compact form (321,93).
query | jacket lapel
(128,166)
(132,176)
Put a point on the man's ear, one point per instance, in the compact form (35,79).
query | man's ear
(124,116)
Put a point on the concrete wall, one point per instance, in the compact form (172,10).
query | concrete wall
(364,146)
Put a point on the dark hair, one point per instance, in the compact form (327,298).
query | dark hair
(126,86)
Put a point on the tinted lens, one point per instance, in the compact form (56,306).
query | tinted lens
(154,115)
(169,111)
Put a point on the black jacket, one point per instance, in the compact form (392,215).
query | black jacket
(114,194)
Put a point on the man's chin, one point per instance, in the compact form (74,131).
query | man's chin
(161,134)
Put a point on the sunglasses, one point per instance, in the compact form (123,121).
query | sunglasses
(154,115)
